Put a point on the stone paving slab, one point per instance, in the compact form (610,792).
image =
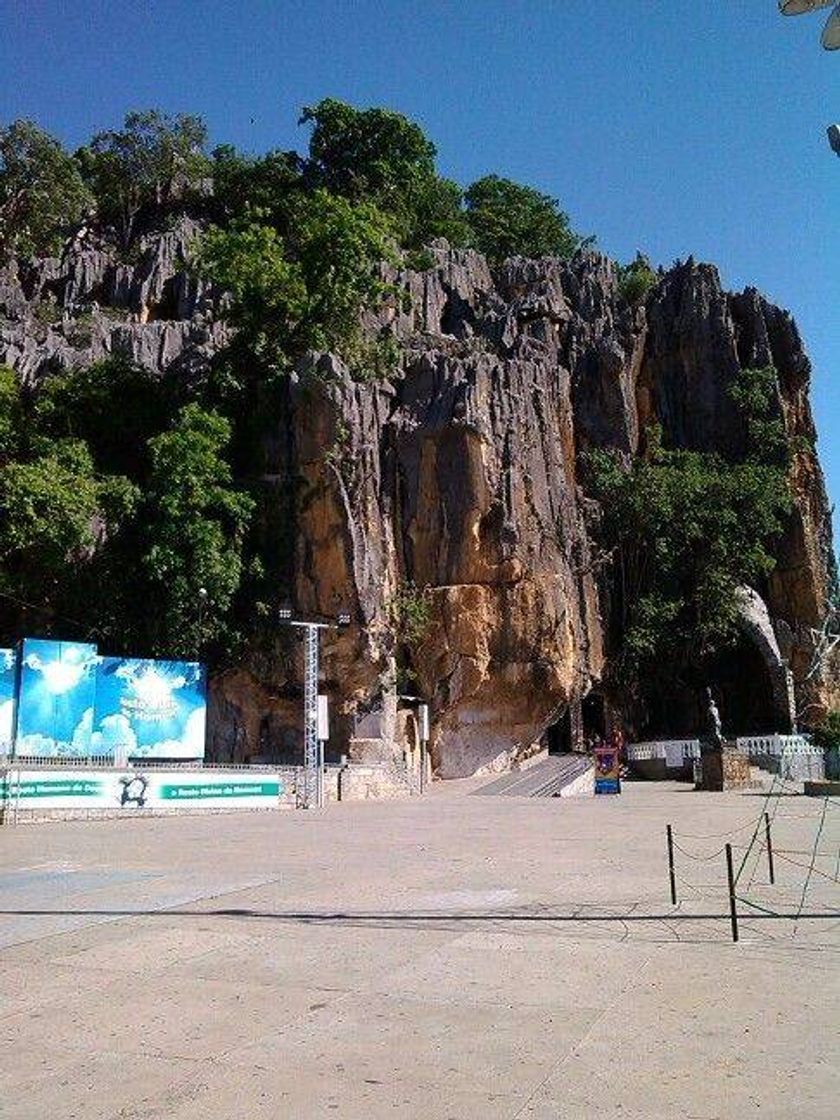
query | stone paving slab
(438,959)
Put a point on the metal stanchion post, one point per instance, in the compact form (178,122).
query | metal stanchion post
(769,848)
(670,836)
(733,913)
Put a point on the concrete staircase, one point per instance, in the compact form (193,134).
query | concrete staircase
(546,779)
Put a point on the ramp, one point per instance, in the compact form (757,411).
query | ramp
(546,779)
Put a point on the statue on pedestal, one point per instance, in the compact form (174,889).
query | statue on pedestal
(714,721)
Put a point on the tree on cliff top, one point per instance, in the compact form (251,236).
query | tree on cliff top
(508,219)
(153,160)
(379,156)
(254,187)
(41,191)
(306,293)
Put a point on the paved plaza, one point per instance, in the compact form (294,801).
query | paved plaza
(447,958)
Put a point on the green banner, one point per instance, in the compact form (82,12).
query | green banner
(59,787)
(199,791)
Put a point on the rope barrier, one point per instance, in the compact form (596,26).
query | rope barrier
(722,835)
(813,856)
(805,866)
(698,859)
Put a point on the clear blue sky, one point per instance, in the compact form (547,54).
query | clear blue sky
(671,126)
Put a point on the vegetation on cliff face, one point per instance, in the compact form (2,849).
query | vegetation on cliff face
(116,508)
(126,510)
(155,160)
(42,193)
(120,516)
(684,529)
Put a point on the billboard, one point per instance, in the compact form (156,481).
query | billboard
(149,709)
(55,699)
(134,790)
(8,670)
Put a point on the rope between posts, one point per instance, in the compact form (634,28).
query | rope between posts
(758,826)
(703,859)
(721,835)
(813,856)
(778,914)
(806,867)
(801,852)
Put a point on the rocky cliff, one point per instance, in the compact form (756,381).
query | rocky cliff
(457,480)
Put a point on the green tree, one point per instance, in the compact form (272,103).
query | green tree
(266,291)
(41,191)
(756,393)
(508,219)
(153,160)
(827,732)
(366,153)
(54,513)
(114,406)
(195,521)
(287,298)
(636,279)
(381,157)
(11,414)
(257,188)
(684,529)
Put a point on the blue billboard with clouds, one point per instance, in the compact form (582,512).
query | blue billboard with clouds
(56,699)
(8,687)
(149,709)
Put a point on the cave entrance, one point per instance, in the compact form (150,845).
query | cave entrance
(594,713)
(592,722)
(558,736)
(741,682)
(742,685)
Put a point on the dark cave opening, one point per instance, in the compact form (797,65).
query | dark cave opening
(559,738)
(742,687)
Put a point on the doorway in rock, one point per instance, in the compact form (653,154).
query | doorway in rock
(558,736)
(594,715)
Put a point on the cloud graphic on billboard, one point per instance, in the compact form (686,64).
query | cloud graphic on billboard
(80,743)
(191,743)
(115,736)
(7,722)
(39,746)
(63,673)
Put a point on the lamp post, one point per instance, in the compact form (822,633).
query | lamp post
(312,792)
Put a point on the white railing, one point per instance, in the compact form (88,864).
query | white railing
(676,753)
(794,757)
(775,745)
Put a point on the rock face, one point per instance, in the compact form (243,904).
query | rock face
(58,313)
(454,485)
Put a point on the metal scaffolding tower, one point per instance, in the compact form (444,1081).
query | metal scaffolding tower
(311,774)
(311,791)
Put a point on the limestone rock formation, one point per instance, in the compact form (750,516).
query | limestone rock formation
(457,479)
